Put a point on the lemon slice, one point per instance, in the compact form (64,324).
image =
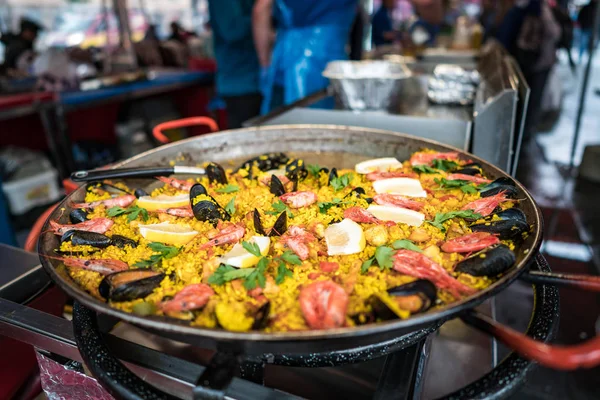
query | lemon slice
(163,201)
(167,233)
(404,186)
(276,172)
(343,238)
(239,257)
(397,214)
(377,164)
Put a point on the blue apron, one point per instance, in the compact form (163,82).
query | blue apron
(301,54)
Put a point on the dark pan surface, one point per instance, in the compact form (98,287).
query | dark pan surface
(329,146)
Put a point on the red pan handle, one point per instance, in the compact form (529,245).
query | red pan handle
(582,355)
(36,230)
(182,123)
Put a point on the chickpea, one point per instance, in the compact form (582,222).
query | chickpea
(377,235)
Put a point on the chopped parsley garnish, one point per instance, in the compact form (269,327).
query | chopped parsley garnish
(132,212)
(226,273)
(282,273)
(425,169)
(444,165)
(383,257)
(257,276)
(230,207)
(465,186)
(440,218)
(165,251)
(314,169)
(291,258)
(278,208)
(324,206)
(341,182)
(230,188)
(252,248)
(406,244)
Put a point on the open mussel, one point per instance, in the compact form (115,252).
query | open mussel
(207,209)
(399,301)
(216,173)
(265,162)
(122,241)
(358,193)
(491,261)
(332,175)
(85,238)
(78,215)
(295,170)
(276,186)
(503,184)
(469,169)
(139,193)
(278,229)
(130,285)
(511,225)
(261,317)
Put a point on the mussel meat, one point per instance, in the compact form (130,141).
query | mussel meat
(122,241)
(85,238)
(278,229)
(332,175)
(130,285)
(216,173)
(78,215)
(261,317)
(489,262)
(139,193)
(207,209)
(511,225)
(276,186)
(295,170)
(265,162)
(399,301)
(503,184)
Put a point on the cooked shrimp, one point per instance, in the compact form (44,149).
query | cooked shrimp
(178,184)
(486,205)
(120,201)
(359,214)
(191,297)
(97,225)
(472,242)
(323,305)
(427,158)
(377,176)
(229,234)
(103,266)
(396,200)
(297,239)
(184,212)
(299,199)
(470,178)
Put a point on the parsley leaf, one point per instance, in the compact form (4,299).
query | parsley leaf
(314,169)
(230,207)
(278,208)
(282,273)
(341,181)
(291,258)
(226,273)
(165,251)
(444,165)
(470,189)
(424,169)
(366,265)
(383,255)
(406,244)
(132,212)
(440,218)
(252,248)
(257,276)
(465,186)
(324,206)
(228,189)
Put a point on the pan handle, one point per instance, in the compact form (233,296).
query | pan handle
(158,134)
(585,282)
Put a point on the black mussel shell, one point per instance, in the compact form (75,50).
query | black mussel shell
(513,214)
(73,253)
(295,170)
(78,215)
(324,170)
(360,193)
(197,190)
(489,262)
(261,317)
(503,184)
(424,292)
(139,193)
(468,171)
(258,226)
(266,162)
(280,225)
(81,238)
(332,175)
(122,241)
(129,285)
(504,229)
(276,187)
(216,173)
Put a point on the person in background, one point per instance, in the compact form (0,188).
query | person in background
(383,32)
(357,33)
(430,16)
(18,45)
(585,19)
(179,34)
(310,33)
(237,63)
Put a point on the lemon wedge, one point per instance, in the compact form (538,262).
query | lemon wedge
(377,164)
(163,201)
(397,214)
(239,257)
(167,233)
(404,186)
(343,238)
